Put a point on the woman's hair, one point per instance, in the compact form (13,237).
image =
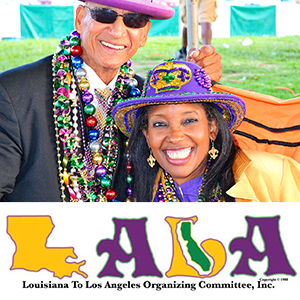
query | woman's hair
(220,170)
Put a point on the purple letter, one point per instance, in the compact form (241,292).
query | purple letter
(269,228)
(144,262)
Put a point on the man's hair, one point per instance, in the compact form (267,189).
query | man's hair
(220,170)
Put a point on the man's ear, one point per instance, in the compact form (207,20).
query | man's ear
(213,130)
(145,34)
(80,13)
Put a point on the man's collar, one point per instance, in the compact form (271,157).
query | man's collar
(96,82)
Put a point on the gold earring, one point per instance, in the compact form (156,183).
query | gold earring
(213,152)
(151,160)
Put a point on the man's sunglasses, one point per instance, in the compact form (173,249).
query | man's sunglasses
(108,16)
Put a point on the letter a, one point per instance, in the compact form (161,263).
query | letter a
(144,262)
(269,228)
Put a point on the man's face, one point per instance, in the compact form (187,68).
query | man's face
(107,46)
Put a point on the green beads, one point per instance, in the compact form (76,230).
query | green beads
(63,52)
(129,179)
(105,181)
(75,41)
(89,109)
(92,197)
(105,142)
(109,120)
(62,104)
(124,68)
(65,160)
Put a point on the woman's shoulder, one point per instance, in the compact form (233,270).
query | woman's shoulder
(265,177)
(267,159)
(275,165)
(254,163)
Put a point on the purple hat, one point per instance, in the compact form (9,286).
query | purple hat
(146,7)
(177,82)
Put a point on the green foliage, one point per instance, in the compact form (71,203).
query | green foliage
(268,63)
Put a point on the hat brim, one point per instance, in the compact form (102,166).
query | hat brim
(231,107)
(152,9)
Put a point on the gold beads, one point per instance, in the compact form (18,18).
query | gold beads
(84,85)
(66,177)
(102,198)
(97,158)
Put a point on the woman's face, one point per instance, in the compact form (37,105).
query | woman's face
(179,136)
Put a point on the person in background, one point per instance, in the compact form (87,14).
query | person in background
(207,14)
(58,141)
(181,147)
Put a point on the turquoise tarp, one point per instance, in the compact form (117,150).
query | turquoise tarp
(253,20)
(43,21)
(166,27)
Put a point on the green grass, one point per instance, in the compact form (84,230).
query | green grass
(14,54)
(268,63)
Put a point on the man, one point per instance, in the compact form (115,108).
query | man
(57,139)
(207,14)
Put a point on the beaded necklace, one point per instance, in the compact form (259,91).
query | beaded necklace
(166,191)
(89,156)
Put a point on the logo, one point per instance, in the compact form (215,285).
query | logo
(30,235)
(170,76)
(190,257)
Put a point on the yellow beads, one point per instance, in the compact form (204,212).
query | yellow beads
(102,198)
(97,158)
(66,178)
(84,85)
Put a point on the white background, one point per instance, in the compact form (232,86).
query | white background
(83,225)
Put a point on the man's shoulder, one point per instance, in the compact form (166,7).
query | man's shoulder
(42,66)
(32,80)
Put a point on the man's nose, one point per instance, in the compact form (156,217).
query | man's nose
(118,28)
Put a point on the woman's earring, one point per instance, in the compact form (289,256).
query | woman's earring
(213,152)
(151,160)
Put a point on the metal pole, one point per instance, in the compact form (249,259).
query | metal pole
(192,24)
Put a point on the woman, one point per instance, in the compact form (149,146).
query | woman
(181,146)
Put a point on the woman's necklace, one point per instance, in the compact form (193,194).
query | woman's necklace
(166,191)
(86,154)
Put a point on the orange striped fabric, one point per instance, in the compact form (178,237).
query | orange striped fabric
(270,124)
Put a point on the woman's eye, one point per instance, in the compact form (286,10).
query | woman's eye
(190,121)
(159,124)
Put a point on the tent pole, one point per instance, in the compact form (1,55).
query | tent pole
(192,24)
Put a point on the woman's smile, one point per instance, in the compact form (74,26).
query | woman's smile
(178,156)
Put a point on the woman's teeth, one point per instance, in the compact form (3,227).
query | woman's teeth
(179,154)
